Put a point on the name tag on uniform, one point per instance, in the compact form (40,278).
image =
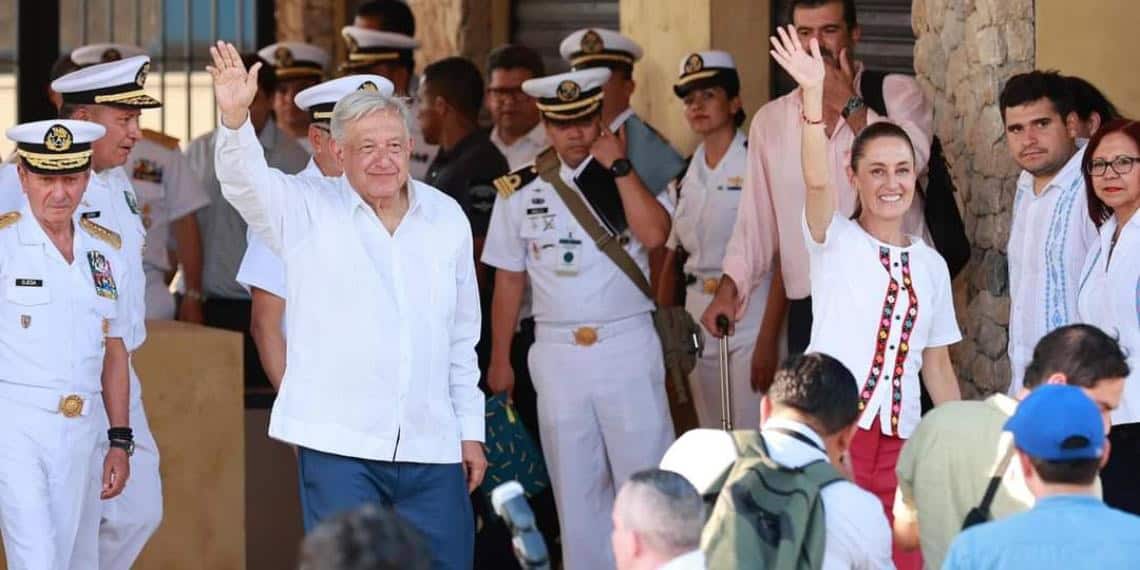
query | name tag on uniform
(29,282)
(735,183)
(569,254)
(90,215)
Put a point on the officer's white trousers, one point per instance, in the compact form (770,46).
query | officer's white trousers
(705,378)
(126,522)
(603,416)
(46,477)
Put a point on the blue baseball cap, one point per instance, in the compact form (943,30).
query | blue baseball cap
(1058,423)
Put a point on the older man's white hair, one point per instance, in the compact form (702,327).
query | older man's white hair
(360,104)
(664,509)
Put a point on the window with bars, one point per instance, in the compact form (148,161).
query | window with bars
(176,33)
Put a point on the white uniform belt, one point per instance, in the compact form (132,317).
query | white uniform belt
(572,333)
(51,399)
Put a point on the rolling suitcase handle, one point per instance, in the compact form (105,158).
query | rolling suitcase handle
(725,383)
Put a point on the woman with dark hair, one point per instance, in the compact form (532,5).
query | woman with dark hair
(881,299)
(1091,105)
(1109,295)
(706,195)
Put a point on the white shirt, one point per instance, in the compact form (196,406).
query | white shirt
(704,214)
(619,120)
(382,327)
(523,151)
(877,307)
(692,560)
(260,266)
(166,192)
(1048,241)
(857,534)
(52,312)
(596,291)
(1109,298)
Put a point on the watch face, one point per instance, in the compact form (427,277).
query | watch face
(621,167)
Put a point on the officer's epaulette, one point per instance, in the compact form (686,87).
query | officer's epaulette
(509,184)
(101,233)
(9,219)
(161,139)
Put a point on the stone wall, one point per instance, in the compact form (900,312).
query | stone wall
(966,50)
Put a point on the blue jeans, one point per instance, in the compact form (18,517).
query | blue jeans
(431,497)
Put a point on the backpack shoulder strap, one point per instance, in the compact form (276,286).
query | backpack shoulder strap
(871,85)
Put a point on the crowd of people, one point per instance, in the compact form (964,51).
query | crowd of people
(391,262)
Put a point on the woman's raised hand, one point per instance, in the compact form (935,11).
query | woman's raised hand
(806,68)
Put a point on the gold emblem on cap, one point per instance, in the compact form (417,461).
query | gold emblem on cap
(140,77)
(568,91)
(58,139)
(110,54)
(592,42)
(351,43)
(694,63)
(368,86)
(284,56)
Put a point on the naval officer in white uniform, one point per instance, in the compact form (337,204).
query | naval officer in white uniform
(705,198)
(596,362)
(63,362)
(112,94)
(262,271)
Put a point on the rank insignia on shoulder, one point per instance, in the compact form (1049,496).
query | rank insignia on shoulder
(509,184)
(102,276)
(147,171)
(132,202)
(9,219)
(101,233)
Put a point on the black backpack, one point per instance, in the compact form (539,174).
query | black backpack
(941,210)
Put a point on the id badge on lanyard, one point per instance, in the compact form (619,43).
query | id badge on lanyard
(569,255)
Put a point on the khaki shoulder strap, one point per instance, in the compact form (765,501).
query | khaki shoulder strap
(547,165)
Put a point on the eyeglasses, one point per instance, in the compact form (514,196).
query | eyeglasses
(1121,165)
(506,93)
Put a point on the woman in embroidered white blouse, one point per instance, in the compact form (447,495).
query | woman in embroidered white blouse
(881,300)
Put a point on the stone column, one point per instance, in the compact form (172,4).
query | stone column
(668,31)
(963,57)
(316,22)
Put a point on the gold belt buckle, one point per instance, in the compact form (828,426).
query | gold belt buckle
(71,406)
(710,285)
(585,336)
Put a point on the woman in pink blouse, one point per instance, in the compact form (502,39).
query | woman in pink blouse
(881,299)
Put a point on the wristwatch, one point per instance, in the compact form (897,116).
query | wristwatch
(621,167)
(126,445)
(853,104)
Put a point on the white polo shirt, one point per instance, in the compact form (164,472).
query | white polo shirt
(1109,298)
(1048,241)
(382,326)
(875,308)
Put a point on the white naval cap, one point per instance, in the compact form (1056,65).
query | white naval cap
(292,60)
(568,96)
(102,53)
(706,68)
(58,146)
(320,99)
(598,47)
(367,47)
(113,83)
